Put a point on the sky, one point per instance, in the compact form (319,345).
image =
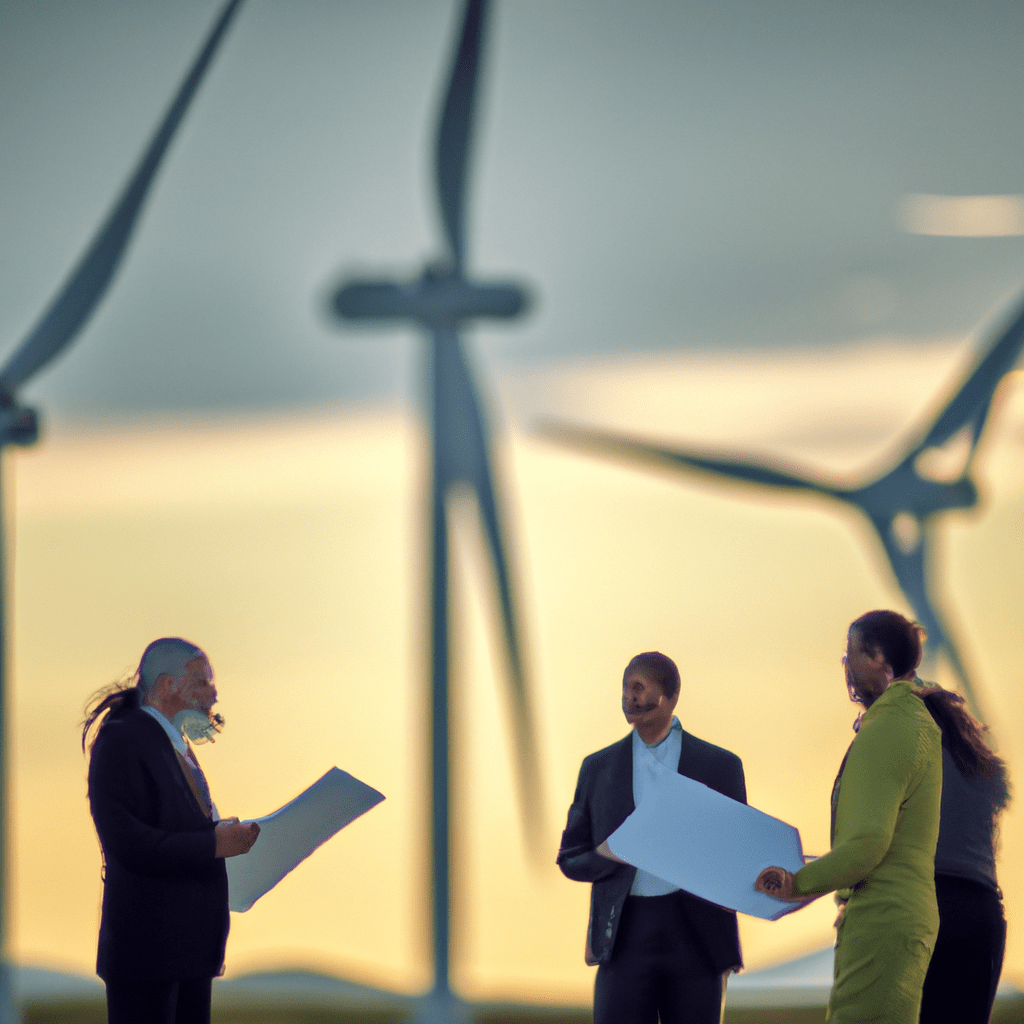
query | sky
(663,176)
(714,209)
(307,593)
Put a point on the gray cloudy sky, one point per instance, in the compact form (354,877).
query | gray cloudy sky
(666,175)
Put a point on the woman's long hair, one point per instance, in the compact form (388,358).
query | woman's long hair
(963,737)
(111,702)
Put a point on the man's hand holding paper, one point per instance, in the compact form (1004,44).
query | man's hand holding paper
(234,837)
(607,853)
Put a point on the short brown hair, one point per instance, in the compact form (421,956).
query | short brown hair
(660,667)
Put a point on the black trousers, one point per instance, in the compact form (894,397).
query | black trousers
(964,971)
(159,1002)
(658,970)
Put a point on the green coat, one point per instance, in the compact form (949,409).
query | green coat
(885,811)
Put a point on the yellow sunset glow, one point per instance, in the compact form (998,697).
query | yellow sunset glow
(292,550)
(962,216)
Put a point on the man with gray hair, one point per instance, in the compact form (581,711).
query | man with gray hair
(164,923)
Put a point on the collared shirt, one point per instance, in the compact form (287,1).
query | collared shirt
(179,744)
(174,735)
(667,753)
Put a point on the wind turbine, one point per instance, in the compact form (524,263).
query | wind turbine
(932,477)
(440,303)
(57,328)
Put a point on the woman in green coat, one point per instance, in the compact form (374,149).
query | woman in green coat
(885,822)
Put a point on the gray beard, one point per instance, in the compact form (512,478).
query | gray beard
(197,725)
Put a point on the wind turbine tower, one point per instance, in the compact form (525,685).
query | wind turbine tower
(440,303)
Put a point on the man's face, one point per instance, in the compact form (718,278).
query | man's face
(644,702)
(197,689)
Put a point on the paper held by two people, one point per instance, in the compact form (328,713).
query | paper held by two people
(706,843)
(681,831)
(289,835)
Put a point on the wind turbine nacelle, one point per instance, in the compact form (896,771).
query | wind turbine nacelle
(18,425)
(430,301)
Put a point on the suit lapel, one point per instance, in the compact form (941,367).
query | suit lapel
(690,763)
(620,788)
(173,766)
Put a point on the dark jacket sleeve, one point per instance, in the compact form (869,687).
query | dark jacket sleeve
(602,801)
(125,799)
(577,856)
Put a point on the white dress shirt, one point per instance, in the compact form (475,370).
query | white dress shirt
(667,753)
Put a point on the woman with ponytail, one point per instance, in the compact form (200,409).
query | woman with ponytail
(964,972)
(885,822)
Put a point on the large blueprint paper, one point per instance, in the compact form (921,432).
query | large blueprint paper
(707,844)
(288,836)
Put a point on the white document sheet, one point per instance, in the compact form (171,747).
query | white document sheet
(289,835)
(707,844)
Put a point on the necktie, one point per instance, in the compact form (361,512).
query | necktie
(197,781)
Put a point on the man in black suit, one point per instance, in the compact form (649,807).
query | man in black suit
(164,922)
(661,953)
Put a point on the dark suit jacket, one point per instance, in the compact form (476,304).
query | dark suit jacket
(165,895)
(603,801)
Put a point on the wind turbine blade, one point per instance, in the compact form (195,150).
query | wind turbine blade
(88,283)
(523,727)
(971,403)
(615,445)
(910,570)
(455,129)
(463,456)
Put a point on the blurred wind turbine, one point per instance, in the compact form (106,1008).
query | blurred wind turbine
(58,327)
(440,302)
(931,478)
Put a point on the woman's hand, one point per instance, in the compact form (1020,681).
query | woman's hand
(778,883)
